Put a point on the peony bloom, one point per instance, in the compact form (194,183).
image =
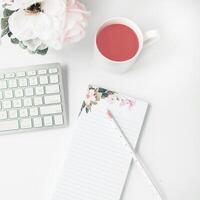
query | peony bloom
(46,23)
(90,97)
(76,21)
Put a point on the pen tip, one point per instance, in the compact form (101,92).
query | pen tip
(109,114)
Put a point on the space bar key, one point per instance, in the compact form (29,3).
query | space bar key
(9,125)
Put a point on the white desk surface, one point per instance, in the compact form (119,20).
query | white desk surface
(167,75)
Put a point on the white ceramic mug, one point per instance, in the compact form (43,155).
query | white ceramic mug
(145,39)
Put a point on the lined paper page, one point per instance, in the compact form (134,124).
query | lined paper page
(130,119)
(97,166)
(98,163)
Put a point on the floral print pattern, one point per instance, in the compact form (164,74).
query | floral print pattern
(96,94)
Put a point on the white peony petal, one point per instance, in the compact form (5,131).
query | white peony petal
(51,28)
(14,5)
(26,26)
(54,7)
(17,4)
(28,3)
(70,3)
(72,19)
(77,38)
(56,44)
(77,29)
(20,25)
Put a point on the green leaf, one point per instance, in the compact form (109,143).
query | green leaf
(4,23)
(5,32)
(22,45)
(14,40)
(42,52)
(102,90)
(7,12)
(9,34)
(104,95)
(32,52)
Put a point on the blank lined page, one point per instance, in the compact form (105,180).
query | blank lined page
(130,118)
(97,165)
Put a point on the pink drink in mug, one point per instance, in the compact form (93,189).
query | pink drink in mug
(119,41)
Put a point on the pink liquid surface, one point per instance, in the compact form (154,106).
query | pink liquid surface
(117,42)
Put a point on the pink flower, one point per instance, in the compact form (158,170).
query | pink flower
(75,22)
(91,96)
(127,102)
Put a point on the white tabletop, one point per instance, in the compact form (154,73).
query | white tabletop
(167,75)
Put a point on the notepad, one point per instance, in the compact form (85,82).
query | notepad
(97,165)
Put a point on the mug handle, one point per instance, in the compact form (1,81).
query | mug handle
(151,37)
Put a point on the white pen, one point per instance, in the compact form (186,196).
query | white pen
(135,157)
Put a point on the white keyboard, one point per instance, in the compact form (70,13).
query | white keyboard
(31,98)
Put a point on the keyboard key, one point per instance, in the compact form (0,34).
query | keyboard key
(31,73)
(37,122)
(1,76)
(37,101)
(18,93)
(43,80)
(53,109)
(53,70)
(42,71)
(26,123)
(22,82)
(3,115)
(53,78)
(8,94)
(33,111)
(12,83)
(20,74)
(6,104)
(12,114)
(39,90)
(9,125)
(3,84)
(10,75)
(27,102)
(29,92)
(17,103)
(23,112)
(33,81)
(52,89)
(58,119)
(52,99)
(48,121)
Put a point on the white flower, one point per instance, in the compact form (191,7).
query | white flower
(49,22)
(42,20)
(17,4)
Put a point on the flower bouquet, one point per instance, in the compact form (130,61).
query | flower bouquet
(37,25)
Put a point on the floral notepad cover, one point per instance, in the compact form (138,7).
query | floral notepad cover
(129,111)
